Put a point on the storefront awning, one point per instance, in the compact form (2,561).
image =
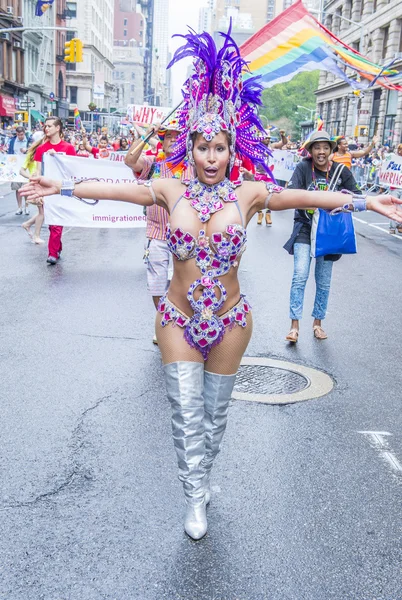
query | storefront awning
(37,115)
(7,106)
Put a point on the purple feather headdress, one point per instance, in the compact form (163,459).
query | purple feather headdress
(215,98)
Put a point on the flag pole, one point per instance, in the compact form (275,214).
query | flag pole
(151,133)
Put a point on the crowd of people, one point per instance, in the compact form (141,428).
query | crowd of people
(200,187)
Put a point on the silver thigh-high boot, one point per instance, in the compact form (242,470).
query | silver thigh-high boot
(217,394)
(184,386)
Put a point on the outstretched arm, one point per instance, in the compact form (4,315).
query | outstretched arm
(366,150)
(136,193)
(386,205)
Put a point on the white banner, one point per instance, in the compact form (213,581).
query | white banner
(70,212)
(147,114)
(391,172)
(283,164)
(10,165)
(117,156)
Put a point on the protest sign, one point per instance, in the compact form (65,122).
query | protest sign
(10,165)
(283,163)
(71,212)
(391,172)
(147,114)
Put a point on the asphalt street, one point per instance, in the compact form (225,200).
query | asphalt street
(305,506)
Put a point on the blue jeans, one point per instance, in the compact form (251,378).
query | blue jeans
(323,272)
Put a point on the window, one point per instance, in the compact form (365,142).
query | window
(132,87)
(375,111)
(71,10)
(385,42)
(400,36)
(125,33)
(374,5)
(73,94)
(125,22)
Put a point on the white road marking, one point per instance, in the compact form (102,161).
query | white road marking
(378,442)
(375,226)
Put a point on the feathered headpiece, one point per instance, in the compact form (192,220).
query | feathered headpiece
(215,98)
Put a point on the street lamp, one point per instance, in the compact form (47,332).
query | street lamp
(310,110)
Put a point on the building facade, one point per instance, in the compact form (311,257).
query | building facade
(376,32)
(91,81)
(12,61)
(128,55)
(160,95)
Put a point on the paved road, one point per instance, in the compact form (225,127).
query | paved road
(305,506)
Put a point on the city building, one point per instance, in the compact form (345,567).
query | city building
(90,82)
(12,81)
(160,95)
(60,105)
(146,9)
(374,28)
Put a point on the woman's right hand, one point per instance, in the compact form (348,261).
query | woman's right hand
(40,186)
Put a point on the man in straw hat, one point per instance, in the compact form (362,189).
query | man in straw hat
(147,165)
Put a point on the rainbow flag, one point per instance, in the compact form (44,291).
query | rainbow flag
(295,41)
(320,124)
(77,119)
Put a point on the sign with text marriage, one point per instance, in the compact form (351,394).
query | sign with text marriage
(71,212)
(391,172)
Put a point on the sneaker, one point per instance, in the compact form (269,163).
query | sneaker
(51,260)
(392,230)
(154,340)
(399,228)
(19,211)
(26,212)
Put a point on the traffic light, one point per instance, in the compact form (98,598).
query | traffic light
(78,50)
(73,51)
(21,116)
(69,54)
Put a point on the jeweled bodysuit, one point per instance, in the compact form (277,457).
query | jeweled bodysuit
(214,256)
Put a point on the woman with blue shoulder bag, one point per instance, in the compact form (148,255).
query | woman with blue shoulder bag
(315,173)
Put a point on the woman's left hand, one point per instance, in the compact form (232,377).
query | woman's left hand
(386,205)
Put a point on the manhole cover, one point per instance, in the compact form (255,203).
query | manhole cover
(273,381)
(260,379)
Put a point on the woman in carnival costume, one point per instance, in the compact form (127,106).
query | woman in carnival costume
(204,323)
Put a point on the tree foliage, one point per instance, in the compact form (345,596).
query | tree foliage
(281,100)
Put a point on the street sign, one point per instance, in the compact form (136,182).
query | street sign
(23,105)
(51,95)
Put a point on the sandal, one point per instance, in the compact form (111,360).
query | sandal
(319,333)
(292,336)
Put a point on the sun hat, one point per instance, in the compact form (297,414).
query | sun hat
(319,136)
(172,125)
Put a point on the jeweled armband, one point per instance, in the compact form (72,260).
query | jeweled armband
(272,188)
(358,204)
(68,186)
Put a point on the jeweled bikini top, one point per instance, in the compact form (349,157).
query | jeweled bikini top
(214,255)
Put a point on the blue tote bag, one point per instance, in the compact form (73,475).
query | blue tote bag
(332,234)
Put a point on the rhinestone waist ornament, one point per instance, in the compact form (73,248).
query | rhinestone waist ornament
(214,256)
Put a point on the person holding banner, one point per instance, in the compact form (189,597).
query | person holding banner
(54,144)
(148,166)
(394,226)
(204,323)
(315,173)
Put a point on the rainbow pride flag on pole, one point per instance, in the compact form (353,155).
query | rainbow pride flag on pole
(295,41)
(77,119)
